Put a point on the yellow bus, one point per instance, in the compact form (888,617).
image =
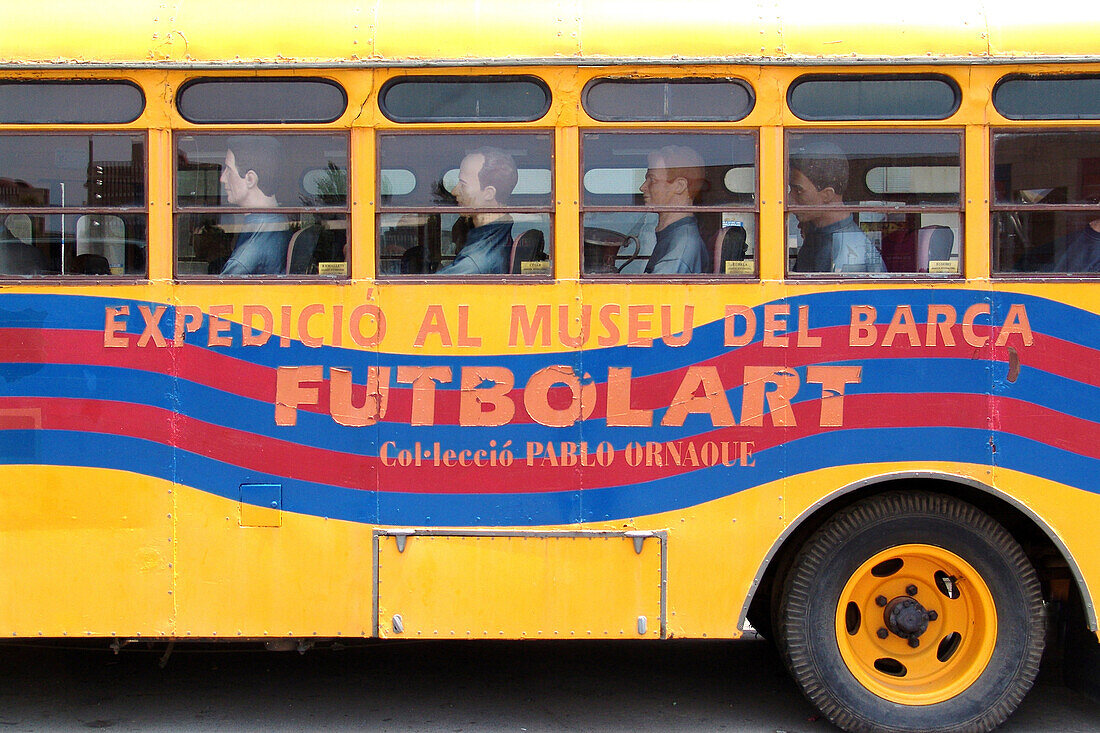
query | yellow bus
(609,320)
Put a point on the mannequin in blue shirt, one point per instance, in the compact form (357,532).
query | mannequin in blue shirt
(674,178)
(248,173)
(486,178)
(831,239)
(1082,252)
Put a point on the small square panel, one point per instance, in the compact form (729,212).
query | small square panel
(261,505)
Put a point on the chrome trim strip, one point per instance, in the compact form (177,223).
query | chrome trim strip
(338,64)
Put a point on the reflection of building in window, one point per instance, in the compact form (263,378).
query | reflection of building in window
(101,239)
(115,183)
(21,193)
(83,204)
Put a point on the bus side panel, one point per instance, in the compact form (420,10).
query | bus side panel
(286,574)
(1046,398)
(86,504)
(721,440)
(275,498)
(85,551)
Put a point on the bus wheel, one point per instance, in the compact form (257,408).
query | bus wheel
(912,612)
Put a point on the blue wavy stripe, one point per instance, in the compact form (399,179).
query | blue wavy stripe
(826,309)
(838,448)
(900,376)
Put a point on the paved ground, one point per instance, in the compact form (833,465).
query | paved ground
(444,686)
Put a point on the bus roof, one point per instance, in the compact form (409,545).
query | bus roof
(504,32)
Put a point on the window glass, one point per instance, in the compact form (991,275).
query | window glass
(669,204)
(465,99)
(826,97)
(259,101)
(619,100)
(1048,97)
(870,203)
(465,204)
(70,102)
(913,179)
(261,205)
(1046,201)
(72,204)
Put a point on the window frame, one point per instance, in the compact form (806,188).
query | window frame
(549,209)
(886,276)
(78,211)
(751,132)
(181,211)
(996,208)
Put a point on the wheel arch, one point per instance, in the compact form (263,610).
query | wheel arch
(1044,548)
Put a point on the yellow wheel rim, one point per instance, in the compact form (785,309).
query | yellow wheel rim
(891,595)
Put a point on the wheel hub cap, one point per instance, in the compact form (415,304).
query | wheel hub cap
(906,617)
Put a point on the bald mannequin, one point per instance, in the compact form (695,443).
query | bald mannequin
(486,179)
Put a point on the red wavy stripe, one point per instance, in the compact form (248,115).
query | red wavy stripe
(193,363)
(283,458)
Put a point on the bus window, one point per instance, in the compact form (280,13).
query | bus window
(1048,97)
(464,99)
(874,97)
(465,204)
(1046,202)
(85,102)
(266,100)
(669,204)
(73,204)
(874,203)
(667,100)
(261,205)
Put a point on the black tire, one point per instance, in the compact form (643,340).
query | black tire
(808,636)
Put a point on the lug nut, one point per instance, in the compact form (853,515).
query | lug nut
(914,642)
(883,633)
(932,615)
(911,590)
(881,601)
